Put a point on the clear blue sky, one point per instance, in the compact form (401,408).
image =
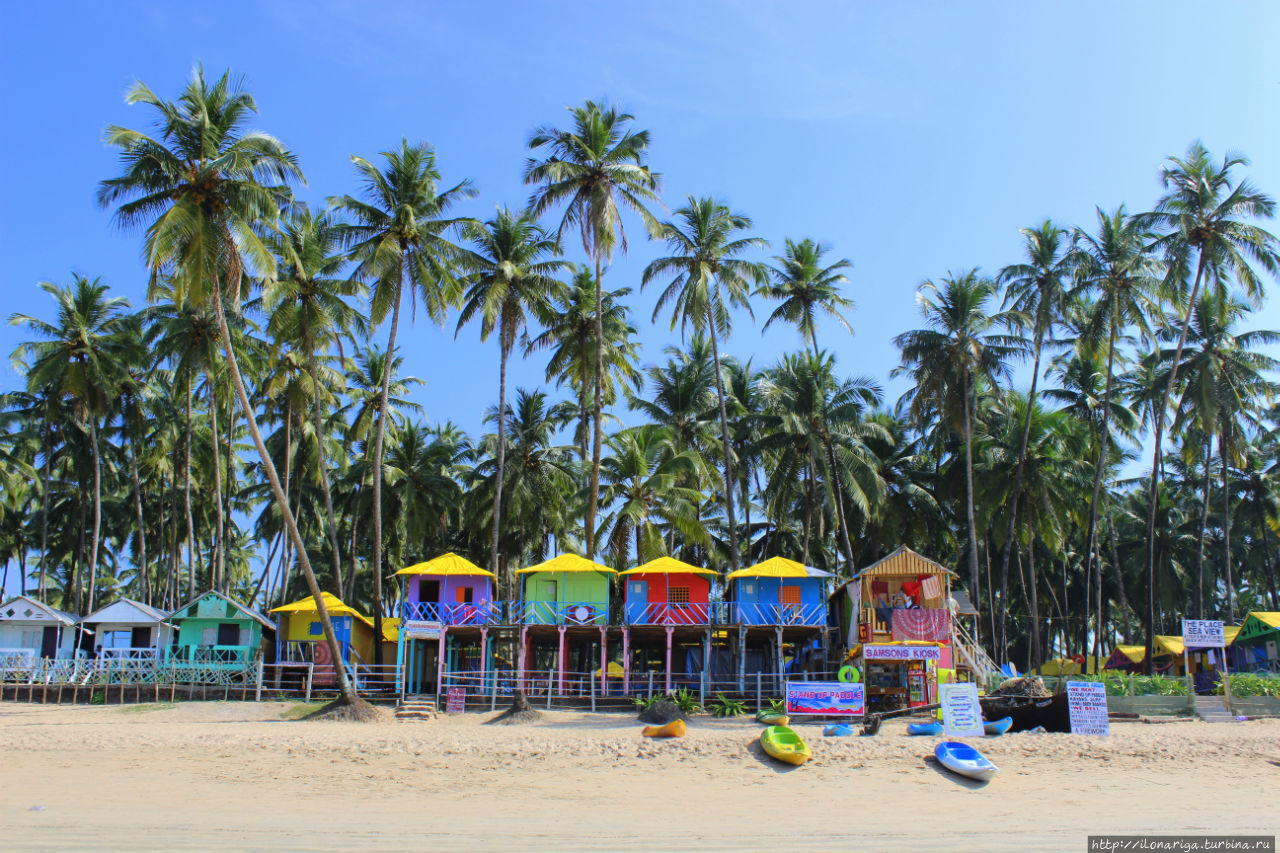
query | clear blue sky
(915,138)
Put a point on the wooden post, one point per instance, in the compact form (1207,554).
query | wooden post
(706,665)
(559,662)
(493,692)
(593,693)
(310,671)
(604,663)
(441,651)
(778,648)
(669,632)
(759,698)
(257,683)
(484,656)
(650,684)
(1191,682)
(1226,680)
(626,661)
(550,674)
(520,656)
(742,658)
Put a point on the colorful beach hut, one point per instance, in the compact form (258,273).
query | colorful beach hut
(667,591)
(300,636)
(449,590)
(565,590)
(1257,645)
(779,591)
(214,630)
(30,630)
(129,630)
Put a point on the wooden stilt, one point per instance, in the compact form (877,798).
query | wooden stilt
(604,661)
(521,654)
(626,661)
(669,632)
(440,653)
(484,657)
(560,664)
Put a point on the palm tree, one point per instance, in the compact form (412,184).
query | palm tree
(1035,291)
(709,277)
(308,307)
(509,274)
(84,358)
(203,189)
(594,169)
(805,287)
(1113,263)
(570,335)
(948,360)
(1206,218)
(398,238)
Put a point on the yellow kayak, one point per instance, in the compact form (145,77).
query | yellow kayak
(772,718)
(784,744)
(675,728)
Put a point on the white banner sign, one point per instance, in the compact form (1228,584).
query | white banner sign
(901,652)
(1203,634)
(421,630)
(961,713)
(1087,705)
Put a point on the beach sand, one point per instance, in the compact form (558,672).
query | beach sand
(235,776)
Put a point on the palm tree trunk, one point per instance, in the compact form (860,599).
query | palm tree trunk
(1094,566)
(186,501)
(44,517)
(1226,528)
(974,587)
(378,443)
(1204,523)
(597,441)
(282,504)
(97,509)
(728,450)
(1017,492)
(1115,565)
(322,456)
(808,511)
(219,563)
(1033,600)
(502,452)
(142,526)
(1155,465)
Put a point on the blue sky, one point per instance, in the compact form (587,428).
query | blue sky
(915,138)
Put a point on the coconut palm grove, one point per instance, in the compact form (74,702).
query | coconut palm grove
(1090,435)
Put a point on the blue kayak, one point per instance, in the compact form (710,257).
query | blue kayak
(965,760)
(998,727)
(929,729)
(838,730)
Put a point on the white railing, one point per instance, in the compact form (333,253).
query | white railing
(130,653)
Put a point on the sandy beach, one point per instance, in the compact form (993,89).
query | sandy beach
(236,776)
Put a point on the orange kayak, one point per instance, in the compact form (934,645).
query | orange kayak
(675,728)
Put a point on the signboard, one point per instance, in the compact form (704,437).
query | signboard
(1203,634)
(901,653)
(961,713)
(421,630)
(828,698)
(1087,705)
(456,701)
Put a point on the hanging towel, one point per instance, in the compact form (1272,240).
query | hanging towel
(930,626)
(931,587)
(912,588)
(879,587)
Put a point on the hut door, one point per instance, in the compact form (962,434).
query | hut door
(49,643)
(140,638)
(228,634)
(429,591)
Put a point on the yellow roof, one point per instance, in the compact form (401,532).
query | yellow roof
(332,603)
(1133,653)
(774,567)
(568,563)
(1272,619)
(446,564)
(1229,632)
(1167,646)
(667,566)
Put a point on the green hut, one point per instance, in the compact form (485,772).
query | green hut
(214,630)
(567,590)
(1257,646)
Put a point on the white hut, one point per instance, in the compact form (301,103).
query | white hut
(30,630)
(128,630)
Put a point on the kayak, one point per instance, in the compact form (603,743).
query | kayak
(784,744)
(965,760)
(838,730)
(928,729)
(675,728)
(998,727)
(772,718)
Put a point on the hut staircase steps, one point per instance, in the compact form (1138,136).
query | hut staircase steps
(972,655)
(1213,709)
(416,708)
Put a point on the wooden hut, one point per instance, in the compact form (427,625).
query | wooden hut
(300,635)
(449,590)
(129,630)
(1257,645)
(666,591)
(778,591)
(30,630)
(566,590)
(215,630)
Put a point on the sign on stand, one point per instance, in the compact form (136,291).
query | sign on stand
(961,713)
(826,698)
(456,701)
(1087,705)
(1203,634)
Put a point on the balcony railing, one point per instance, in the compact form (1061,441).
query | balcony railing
(672,612)
(756,613)
(237,655)
(470,613)
(133,653)
(560,612)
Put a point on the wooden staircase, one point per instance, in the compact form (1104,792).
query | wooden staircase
(1213,709)
(416,708)
(972,656)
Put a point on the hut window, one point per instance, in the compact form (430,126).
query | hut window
(208,636)
(679,595)
(748,588)
(229,634)
(790,594)
(466,595)
(316,629)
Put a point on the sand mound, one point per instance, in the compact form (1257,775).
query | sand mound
(358,711)
(519,713)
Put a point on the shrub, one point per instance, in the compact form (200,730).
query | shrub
(686,701)
(1244,684)
(722,707)
(644,703)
